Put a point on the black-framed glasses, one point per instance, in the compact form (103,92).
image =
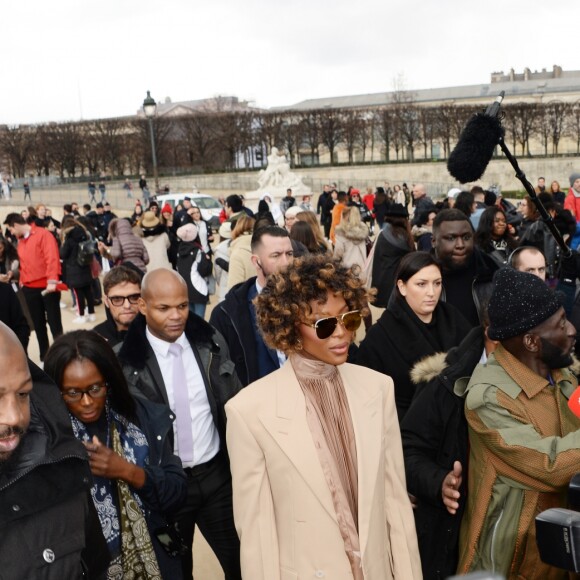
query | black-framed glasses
(325,327)
(96,391)
(120,300)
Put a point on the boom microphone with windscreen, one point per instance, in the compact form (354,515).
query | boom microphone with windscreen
(474,150)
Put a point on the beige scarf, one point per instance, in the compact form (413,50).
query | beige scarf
(330,423)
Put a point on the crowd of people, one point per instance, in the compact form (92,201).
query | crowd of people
(379,389)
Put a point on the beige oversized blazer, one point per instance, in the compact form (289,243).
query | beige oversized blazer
(283,508)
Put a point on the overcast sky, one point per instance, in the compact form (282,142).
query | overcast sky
(73,59)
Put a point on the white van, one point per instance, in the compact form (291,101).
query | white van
(209,206)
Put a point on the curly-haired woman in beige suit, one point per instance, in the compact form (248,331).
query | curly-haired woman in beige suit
(315,449)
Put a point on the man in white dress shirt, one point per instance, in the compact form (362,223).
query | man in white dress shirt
(173,356)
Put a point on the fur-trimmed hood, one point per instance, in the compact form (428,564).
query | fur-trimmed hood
(357,233)
(459,361)
(429,368)
(449,366)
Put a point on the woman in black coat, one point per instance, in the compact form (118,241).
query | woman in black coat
(77,275)
(138,482)
(415,324)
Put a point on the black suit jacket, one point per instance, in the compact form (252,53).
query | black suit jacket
(144,376)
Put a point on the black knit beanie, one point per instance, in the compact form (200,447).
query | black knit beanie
(519,302)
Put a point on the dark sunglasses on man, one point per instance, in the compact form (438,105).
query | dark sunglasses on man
(120,300)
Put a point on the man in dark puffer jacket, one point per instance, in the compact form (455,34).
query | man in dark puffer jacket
(49,526)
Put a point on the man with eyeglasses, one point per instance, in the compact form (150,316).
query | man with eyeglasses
(122,287)
(235,316)
(467,271)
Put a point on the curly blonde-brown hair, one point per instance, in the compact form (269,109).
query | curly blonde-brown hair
(285,300)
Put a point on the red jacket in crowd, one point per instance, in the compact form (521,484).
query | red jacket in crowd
(39,258)
(572,203)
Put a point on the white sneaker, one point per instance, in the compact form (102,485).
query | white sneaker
(62,304)
(91,317)
(79,320)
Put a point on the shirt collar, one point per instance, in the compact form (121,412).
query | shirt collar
(530,382)
(161,347)
(30,231)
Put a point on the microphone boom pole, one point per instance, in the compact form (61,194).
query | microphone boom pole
(546,217)
(474,150)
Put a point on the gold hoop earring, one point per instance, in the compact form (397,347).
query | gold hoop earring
(299,345)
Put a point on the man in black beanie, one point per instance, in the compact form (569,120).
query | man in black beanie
(524,440)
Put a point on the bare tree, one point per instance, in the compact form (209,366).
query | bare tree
(558,113)
(231,137)
(427,127)
(461,115)
(522,121)
(292,134)
(65,142)
(444,126)
(311,133)
(135,149)
(407,127)
(366,133)
(17,143)
(109,136)
(352,122)
(199,133)
(138,143)
(543,126)
(271,129)
(408,120)
(385,129)
(90,154)
(573,124)
(331,130)
(397,138)
(41,153)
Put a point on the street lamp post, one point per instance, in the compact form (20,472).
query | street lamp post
(150,108)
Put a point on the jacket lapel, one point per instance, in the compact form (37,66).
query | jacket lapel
(366,409)
(153,366)
(290,430)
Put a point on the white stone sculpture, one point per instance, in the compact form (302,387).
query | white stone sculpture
(277,178)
